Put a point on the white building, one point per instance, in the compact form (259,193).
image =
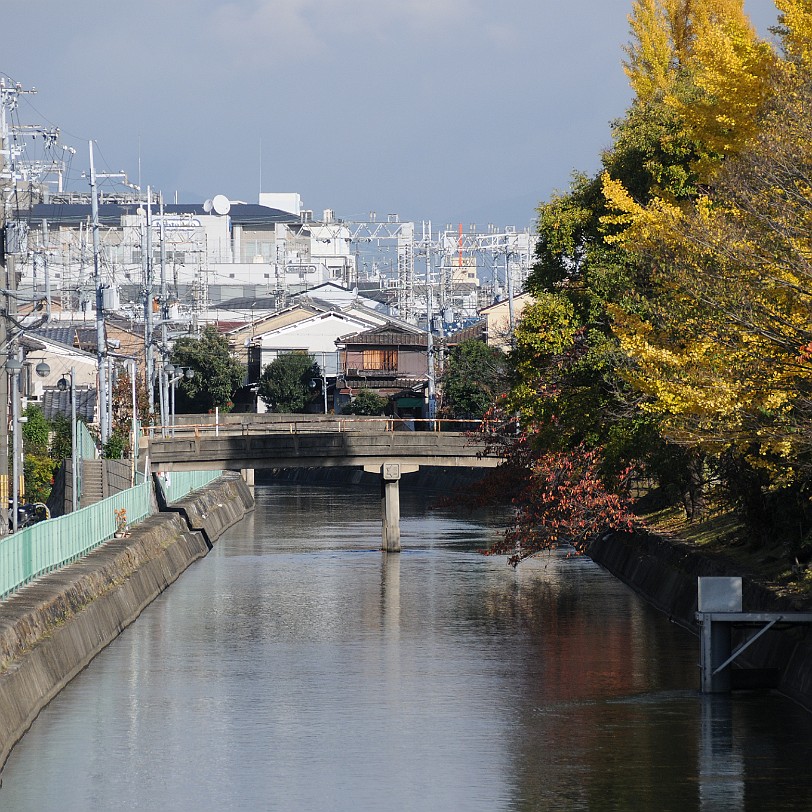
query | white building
(246,250)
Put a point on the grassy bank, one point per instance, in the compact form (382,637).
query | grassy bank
(722,535)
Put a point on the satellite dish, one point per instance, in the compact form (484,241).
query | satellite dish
(220,204)
(207,206)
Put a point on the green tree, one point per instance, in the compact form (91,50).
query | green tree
(366,402)
(285,384)
(474,378)
(115,446)
(217,376)
(61,442)
(699,75)
(35,431)
(38,466)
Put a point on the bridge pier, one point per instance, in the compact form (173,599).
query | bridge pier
(390,501)
(248,477)
(305,443)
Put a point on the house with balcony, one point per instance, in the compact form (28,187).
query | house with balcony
(391,360)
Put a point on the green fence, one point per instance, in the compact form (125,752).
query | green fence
(85,444)
(176,484)
(51,544)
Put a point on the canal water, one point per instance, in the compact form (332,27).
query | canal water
(299,668)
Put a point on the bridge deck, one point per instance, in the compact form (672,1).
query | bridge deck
(311,444)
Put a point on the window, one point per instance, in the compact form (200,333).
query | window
(385,360)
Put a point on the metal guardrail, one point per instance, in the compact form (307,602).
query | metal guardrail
(51,544)
(176,484)
(85,444)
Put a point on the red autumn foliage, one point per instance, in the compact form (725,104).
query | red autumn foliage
(560,497)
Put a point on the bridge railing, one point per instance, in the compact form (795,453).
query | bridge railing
(304,425)
(175,485)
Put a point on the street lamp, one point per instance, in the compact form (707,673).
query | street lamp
(62,384)
(183,372)
(314,383)
(167,371)
(134,422)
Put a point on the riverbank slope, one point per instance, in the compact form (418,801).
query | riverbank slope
(52,628)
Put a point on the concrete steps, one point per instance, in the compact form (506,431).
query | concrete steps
(92,482)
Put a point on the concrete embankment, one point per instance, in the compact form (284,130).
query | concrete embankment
(52,628)
(665,573)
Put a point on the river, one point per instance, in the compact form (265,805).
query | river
(299,668)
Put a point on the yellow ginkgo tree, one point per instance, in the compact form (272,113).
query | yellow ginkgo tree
(723,352)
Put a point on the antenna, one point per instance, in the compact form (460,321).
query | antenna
(220,204)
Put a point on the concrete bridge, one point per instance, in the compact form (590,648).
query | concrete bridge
(388,447)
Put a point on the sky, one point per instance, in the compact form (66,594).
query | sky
(469,111)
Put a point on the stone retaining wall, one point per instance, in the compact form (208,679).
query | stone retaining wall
(665,573)
(52,628)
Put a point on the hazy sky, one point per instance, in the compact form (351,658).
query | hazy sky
(466,111)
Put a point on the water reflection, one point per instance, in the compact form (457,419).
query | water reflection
(721,764)
(299,668)
(390,594)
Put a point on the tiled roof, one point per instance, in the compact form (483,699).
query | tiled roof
(386,336)
(228,326)
(363,382)
(56,402)
(87,339)
(249,303)
(65,334)
(476,330)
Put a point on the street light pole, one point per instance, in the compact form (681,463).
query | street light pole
(429,337)
(509,283)
(172,379)
(74,451)
(134,445)
(62,385)
(172,404)
(167,401)
(101,342)
(13,367)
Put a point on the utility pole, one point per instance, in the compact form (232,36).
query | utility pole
(147,268)
(13,229)
(509,283)
(101,340)
(429,336)
(9,96)
(164,308)
(6,184)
